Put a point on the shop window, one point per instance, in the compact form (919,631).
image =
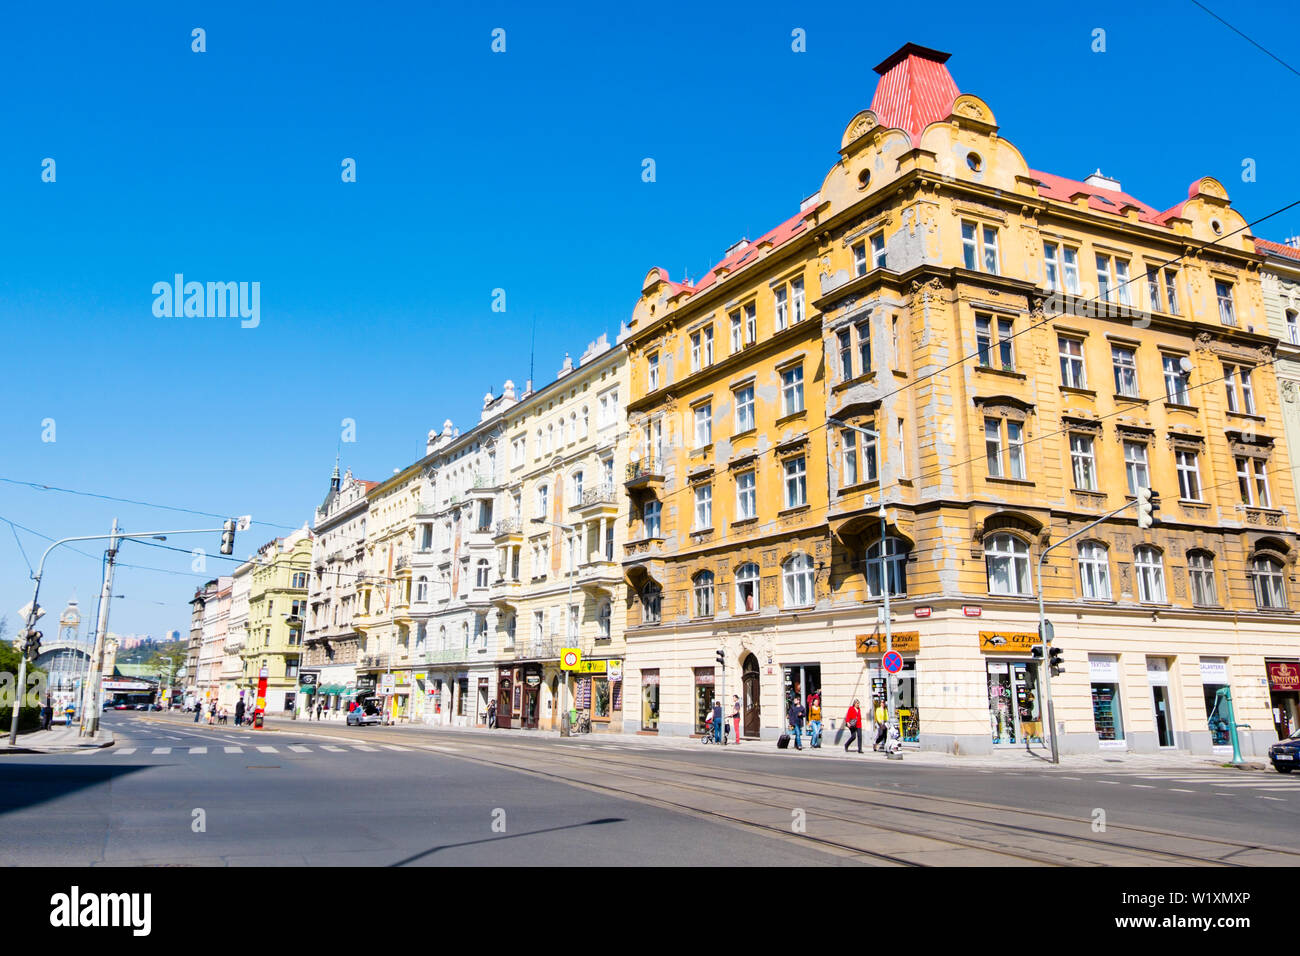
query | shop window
(1107,718)
(1014,715)
(1214,678)
(703,697)
(600,698)
(650,700)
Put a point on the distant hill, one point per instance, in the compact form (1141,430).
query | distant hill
(151,654)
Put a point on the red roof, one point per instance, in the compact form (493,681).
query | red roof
(1101,200)
(1277,248)
(915,90)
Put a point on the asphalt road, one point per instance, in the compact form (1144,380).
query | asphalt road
(286,800)
(326,794)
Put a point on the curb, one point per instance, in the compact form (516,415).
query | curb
(57,750)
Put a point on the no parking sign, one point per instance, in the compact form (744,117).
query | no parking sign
(893,662)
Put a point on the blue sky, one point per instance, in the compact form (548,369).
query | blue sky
(475,171)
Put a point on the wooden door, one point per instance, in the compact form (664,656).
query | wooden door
(503,702)
(750,698)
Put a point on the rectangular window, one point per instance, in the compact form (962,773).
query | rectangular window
(696,353)
(652,378)
(703,425)
(650,518)
(990,249)
(860,259)
(1135,466)
(1071,355)
(1153,289)
(796,483)
(1123,290)
(703,507)
(993,446)
(864,347)
(1016,449)
(792,390)
(751,324)
(745,500)
(1171,290)
(1223,292)
(744,409)
(849,470)
(878,251)
(969,249)
(1292,322)
(1125,362)
(780,307)
(1236,382)
(1189,475)
(844,341)
(1175,381)
(1052,265)
(993,342)
(1105,292)
(1071,259)
(796,301)
(736,335)
(1083,462)
(1252,480)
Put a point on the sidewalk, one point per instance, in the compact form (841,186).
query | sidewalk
(1014,760)
(57,740)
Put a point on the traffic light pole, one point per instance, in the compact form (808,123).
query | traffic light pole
(1044,638)
(33,612)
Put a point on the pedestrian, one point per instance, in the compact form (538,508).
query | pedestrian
(239,712)
(881,716)
(198,711)
(47,715)
(853,721)
(492,714)
(815,720)
(735,715)
(717,721)
(320,707)
(795,716)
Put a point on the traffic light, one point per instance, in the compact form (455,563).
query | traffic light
(722,658)
(1036,652)
(228,537)
(1148,503)
(34,644)
(1055,662)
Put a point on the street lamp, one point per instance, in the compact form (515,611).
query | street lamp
(572,532)
(891,685)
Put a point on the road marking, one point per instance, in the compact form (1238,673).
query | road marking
(1070,778)
(1177,790)
(162,750)
(198,750)
(266,749)
(332,748)
(234,750)
(364,747)
(450,750)
(1142,786)
(298,749)
(1115,782)
(127,751)
(395,747)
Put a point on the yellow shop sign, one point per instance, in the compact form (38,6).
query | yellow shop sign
(1007,642)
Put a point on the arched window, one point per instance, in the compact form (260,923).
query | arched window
(1200,575)
(481,575)
(896,552)
(651,603)
(573,426)
(442,638)
(586,420)
(1150,570)
(422,589)
(1006,563)
(797,573)
(1094,571)
(576,483)
(421,634)
(1270,591)
(464,633)
(746,588)
(603,614)
(703,594)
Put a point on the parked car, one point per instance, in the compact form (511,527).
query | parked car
(362,716)
(121,706)
(1285,754)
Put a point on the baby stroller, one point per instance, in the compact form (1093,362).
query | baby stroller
(708,731)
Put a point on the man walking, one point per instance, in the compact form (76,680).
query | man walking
(853,721)
(198,710)
(47,714)
(239,712)
(795,716)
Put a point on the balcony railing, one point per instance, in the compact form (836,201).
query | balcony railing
(645,468)
(506,526)
(600,495)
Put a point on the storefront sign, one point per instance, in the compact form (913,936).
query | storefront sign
(905,642)
(1007,642)
(570,658)
(1214,670)
(1158,671)
(972,610)
(921,612)
(403,677)
(533,680)
(307,679)
(419,675)
(365,682)
(1103,667)
(616,671)
(590,667)
(1283,675)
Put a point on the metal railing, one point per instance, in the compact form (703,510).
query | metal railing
(507,526)
(600,495)
(644,468)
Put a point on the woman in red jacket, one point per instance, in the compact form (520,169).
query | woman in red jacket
(853,721)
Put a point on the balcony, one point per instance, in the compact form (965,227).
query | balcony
(644,559)
(454,655)
(506,592)
(601,501)
(647,473)
(599,577)
(507,529)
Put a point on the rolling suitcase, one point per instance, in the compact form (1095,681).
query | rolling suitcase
(783,742)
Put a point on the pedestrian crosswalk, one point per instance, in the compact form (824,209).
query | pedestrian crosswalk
(1225,783)
(201,750)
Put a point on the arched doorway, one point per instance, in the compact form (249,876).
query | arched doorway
(504,687)
(749,696)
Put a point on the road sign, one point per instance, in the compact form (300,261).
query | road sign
(893,662)
(570,658)
(387,683)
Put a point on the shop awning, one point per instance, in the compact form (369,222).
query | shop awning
(329,689)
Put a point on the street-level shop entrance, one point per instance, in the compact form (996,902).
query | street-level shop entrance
(1284,696)
(749,696)
(1014,715)
(1214,678)
(801,680)
(1158,678)
(1107,716)
(650,700)
(909,714)
(704,691)
(505,686)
